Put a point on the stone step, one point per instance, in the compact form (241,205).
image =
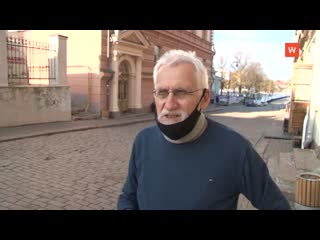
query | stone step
(287,166)
(306,160)
(85,116)
(287,172)
(261,146)
(273,168)
(76,110)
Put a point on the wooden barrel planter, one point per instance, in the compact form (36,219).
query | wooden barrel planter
(307,191)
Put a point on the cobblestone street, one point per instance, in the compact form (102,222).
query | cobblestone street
(77,170)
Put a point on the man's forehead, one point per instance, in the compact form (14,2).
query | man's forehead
(173,65)
(180,84)
(171,75)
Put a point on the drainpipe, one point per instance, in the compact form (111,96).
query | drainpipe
(109,72)
(89,89)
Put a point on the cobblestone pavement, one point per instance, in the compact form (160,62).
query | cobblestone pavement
(86,169)
(77,170)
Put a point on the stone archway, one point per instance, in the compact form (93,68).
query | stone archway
(127,56)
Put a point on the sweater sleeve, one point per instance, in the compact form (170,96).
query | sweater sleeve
(128,197)
(258,186)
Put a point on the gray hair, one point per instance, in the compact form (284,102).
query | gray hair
(176,56)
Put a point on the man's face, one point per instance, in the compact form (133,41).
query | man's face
(173,109)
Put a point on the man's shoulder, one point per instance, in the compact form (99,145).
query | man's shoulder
(224,131)
(146,136)
(217,126)
(146,132)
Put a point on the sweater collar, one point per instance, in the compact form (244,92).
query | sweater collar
(194,134)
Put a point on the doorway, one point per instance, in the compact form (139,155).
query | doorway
(123,91)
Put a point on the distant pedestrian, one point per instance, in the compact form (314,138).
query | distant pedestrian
(188,161)
(153,107)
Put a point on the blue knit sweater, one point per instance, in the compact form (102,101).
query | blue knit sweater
(207,173)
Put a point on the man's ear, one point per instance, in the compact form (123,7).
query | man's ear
(205,100)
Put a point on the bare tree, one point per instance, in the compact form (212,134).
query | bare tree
(267,85)
(239,65)
(253,77)
(222,65)
(222,68)
(244,74)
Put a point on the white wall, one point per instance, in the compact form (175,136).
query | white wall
(28,105)
(315,97)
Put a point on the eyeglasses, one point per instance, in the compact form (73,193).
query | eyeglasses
(179,93)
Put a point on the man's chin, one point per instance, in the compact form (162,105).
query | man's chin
(168,121)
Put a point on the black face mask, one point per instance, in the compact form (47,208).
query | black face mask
(180,129)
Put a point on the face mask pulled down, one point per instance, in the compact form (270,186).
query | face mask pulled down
(180,129)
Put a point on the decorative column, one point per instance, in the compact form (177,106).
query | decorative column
(60,59)
(114,108)
(132,90)
(3,59)
(137,97)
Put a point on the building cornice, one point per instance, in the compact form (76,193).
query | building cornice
(173,34)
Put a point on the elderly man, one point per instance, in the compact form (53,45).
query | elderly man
(187,161)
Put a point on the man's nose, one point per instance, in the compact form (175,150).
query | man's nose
(171,102)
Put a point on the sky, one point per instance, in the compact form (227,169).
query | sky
(264,46)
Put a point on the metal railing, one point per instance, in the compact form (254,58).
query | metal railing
(30,62)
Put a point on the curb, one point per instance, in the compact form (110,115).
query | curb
(48,133)
(84,128)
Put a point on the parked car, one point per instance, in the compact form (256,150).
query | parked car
(223,100)
(257,102)
(264,100)
(249,102)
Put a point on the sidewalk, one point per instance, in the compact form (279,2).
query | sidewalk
(35,130)
(284,162)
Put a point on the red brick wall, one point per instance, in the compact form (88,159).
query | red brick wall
(170,39)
